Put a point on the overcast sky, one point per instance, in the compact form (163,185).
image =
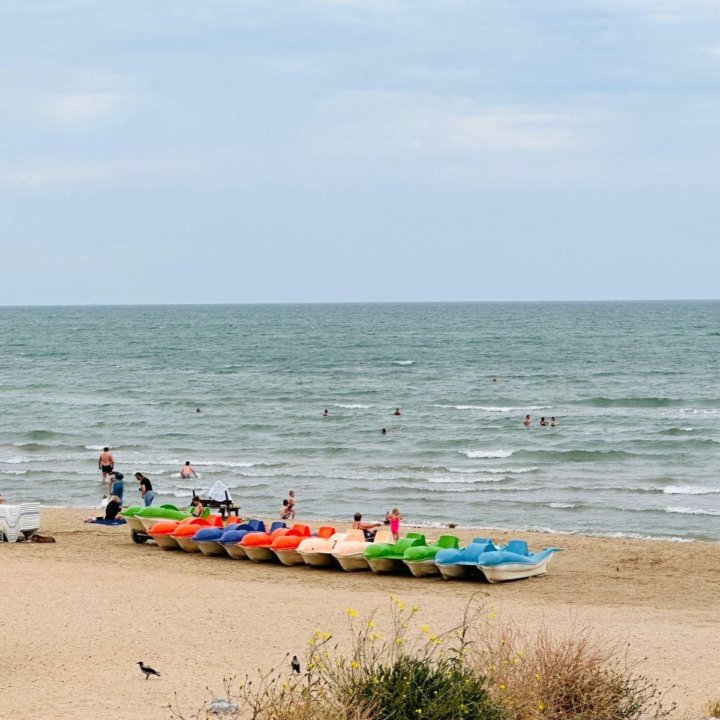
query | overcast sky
(156,151)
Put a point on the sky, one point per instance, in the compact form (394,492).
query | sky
(252,151)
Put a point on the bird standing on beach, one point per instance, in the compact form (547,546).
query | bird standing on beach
(295,664)
(147,670)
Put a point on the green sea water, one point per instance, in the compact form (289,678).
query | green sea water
(633,386)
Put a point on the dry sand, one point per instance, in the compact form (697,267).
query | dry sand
(77,615)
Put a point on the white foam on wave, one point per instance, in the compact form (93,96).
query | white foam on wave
(94,447)
(225,463)
(464,480)
(494,408)
(14,472)
(691,511)
(485,454)
(695,412)
(355,406)
(561,506)
(16,460)
(403,362)
(493,471)
(689,490)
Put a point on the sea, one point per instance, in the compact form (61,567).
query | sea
(633,387)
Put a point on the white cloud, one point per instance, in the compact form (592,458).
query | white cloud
(84,109)
(43,176)
(397,123)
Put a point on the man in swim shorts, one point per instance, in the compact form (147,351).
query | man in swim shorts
(106,463)
(187,470)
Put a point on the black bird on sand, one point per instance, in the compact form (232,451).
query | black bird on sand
(147,670)
(295,664)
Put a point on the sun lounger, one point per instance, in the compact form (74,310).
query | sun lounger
(16,519)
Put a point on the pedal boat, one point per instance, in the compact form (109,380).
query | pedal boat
(386,558)
(462,564)
(514,562)
(420,559)
(285,547)
(317,551)
(350,552)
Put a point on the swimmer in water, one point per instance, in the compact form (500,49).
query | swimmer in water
(325,413)
(543,422)
(397,411)
(187,470)
(553,422)
(527,420)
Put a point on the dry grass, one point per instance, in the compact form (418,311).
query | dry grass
(712,707)
(578,675)
(480,669)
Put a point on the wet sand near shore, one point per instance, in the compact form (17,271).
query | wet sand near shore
(77,615)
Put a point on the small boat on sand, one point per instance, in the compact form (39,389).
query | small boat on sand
(514,562)
(317,551)
(420,559)
(385,558)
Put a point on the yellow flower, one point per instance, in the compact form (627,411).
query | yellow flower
(351,613)
(425,628)
(398,641)
(414,608)
(537,676)
(501,686)
(354,664)
(326,636)
(540,705)
(317,633)
(376,637)
(371,624)
(491,616)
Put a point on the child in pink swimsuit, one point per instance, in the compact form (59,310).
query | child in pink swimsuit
(395,519)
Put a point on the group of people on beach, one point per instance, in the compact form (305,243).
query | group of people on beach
(116,484)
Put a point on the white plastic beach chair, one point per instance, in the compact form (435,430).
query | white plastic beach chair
(16,519)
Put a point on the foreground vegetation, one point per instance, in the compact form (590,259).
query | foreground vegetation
(480,670)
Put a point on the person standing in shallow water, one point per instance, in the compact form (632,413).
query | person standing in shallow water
(187,470)
(106,464)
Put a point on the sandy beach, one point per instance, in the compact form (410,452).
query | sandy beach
(77,615)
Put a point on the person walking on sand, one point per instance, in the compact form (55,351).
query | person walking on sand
(187,470)
(395,519)
(106,464)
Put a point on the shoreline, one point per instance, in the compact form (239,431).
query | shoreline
(315,522)
(85,609)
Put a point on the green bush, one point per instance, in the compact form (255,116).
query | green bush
(410,688)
